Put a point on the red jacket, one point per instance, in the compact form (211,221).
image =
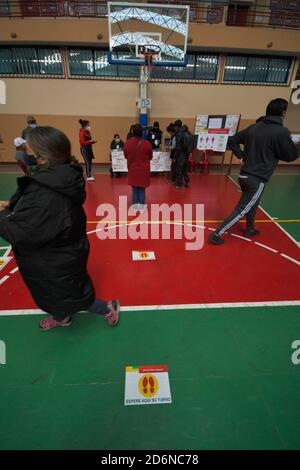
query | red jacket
(138,154)
(85,137)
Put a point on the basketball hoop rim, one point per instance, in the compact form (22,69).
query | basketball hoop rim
(154,53)
(149,56)
(134,62)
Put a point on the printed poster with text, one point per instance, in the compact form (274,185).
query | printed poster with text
(147,385)
(213,139)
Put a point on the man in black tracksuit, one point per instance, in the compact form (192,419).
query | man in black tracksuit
(181,155)
(264,143)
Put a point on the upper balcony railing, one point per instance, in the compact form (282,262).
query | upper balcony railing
(284,14)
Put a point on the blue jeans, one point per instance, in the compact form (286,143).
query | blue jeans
(87,154)
(99,307)
(138,195)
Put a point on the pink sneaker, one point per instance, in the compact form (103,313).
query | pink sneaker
(112,317)
(48,323)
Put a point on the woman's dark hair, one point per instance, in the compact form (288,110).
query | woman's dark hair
(116,135)
(178,123)
(137,130)
(277,107)
(51,144)
(171,127)
(156,124)
(83,122)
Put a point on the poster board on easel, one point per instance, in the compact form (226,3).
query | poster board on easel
(213,132)
(222,121)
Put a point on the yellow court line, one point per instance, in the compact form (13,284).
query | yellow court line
(266,221)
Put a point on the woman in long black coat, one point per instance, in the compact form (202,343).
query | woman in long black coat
(46,225)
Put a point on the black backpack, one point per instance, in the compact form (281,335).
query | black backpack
(188,142)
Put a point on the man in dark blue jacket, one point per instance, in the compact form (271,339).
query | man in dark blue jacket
(264,143)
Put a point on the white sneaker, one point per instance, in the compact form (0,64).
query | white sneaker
(133,209)
(142,207)
(91,178)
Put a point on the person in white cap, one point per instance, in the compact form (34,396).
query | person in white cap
(24,160)
(31,124)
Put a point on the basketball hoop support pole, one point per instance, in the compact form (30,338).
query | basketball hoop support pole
(144,77)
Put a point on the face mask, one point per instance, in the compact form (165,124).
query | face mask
(88,128)
(33,125)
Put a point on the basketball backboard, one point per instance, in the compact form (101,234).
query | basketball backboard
(133,26)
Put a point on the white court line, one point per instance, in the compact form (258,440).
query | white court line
(185,306)
(6,252)
(191,225)
(7,313)
(138,308)
(291,259)
(266,247)
(239,236)
(272,218)
(279,303)
(198,226)
(281,228)
(14,271)
(3,279)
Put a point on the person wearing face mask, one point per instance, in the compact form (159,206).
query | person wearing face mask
(116,144)
(264,144)
(23,158)
(86,147)
(155,136)
(31,124)
(138,153)
(45,223)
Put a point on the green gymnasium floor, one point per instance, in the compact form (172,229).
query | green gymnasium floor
(281,200)
(233,383)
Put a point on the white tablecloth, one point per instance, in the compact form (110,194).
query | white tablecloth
(160,162)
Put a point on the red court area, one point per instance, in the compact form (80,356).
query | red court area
(239,271)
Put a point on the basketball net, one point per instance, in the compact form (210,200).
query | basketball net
(148,63)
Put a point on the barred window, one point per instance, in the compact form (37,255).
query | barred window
(207,67)
(4,8)
(30,61)
(257,69)
(94,63)
(279,69)
(81,62)
(102,66)
(175,73)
